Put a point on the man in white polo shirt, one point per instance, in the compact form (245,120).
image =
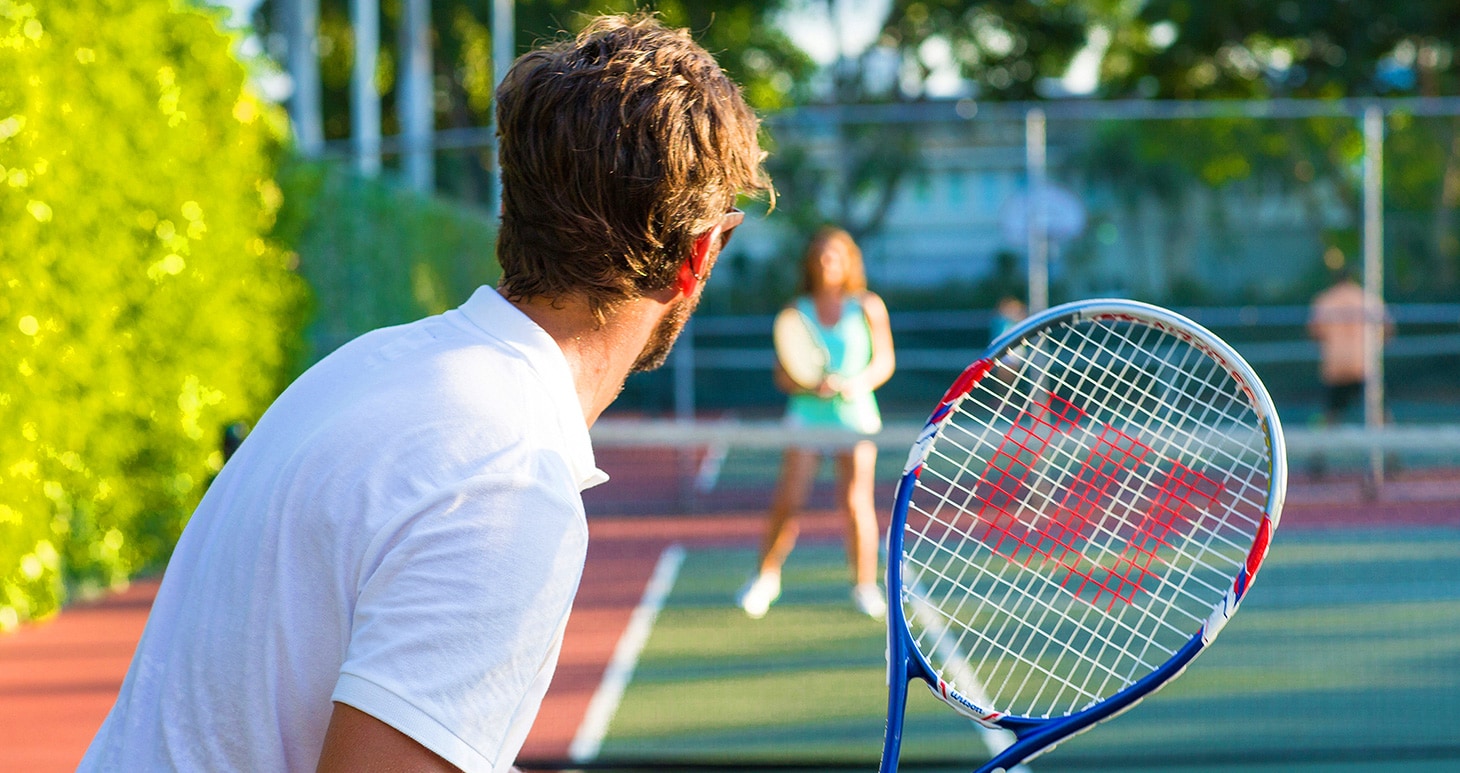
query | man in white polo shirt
(380,576)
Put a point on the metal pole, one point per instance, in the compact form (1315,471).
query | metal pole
(304,102)
(1374,279)
(417,109)
(684,373)
(364,96)
(504,42)
(1036,216)
(684,410)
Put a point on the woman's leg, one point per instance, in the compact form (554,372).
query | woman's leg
(798,472)
(856,477)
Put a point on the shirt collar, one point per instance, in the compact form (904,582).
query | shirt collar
(495,316)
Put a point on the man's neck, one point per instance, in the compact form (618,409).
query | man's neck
(600,355)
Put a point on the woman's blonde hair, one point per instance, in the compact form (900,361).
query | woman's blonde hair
(825,237)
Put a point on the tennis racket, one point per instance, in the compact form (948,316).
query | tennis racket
(799,349)
(1077,521)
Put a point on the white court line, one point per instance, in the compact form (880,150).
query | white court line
(995,740)
(709,472)
(604,704)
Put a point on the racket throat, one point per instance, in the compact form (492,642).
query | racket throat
(961,704)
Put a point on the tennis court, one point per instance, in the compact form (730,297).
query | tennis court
(1346,656)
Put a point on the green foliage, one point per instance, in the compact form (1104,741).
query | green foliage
(142,307)
(376,254)
(1005,46)
(743,35)
(1322,49)
(1206,49)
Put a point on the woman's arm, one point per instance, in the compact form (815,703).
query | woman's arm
(883,362)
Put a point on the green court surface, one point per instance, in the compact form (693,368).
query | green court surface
(1345,657)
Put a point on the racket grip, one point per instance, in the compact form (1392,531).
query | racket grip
(892,740)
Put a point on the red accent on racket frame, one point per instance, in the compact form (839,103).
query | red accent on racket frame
(966,380)
(1255,557)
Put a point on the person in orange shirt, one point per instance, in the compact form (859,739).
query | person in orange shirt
(1336,322)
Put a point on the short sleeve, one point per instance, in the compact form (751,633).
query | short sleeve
(460,614)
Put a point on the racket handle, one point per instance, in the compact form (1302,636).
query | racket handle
(896,707)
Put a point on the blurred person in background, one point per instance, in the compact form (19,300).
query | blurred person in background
(380,577)
(852,323)
(1009,312)
(1336,321)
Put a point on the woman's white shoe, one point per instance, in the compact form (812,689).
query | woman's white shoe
(869,600)
(758,595)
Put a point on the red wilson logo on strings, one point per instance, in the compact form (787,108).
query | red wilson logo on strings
(1122,495)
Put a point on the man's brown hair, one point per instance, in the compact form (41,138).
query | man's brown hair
(618,148)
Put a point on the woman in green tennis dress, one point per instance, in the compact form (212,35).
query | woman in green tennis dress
(852,328)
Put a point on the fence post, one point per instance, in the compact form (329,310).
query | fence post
(1373,125)
(504,36)
(1036,216)
(304,102)
(364,96)
(415,98)
(684,410)
(684,373)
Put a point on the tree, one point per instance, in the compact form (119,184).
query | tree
(1321,49)
(1001,50)
(1003,47)
(755,52)
(1216,49)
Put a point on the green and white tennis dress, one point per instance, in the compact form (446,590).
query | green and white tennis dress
(848,345)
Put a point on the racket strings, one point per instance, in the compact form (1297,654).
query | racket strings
(957,590)
(1128,473)
(944,501)
(1158,420)
(1147,481)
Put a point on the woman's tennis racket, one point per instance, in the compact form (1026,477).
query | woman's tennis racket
(1077,520)
(799,349)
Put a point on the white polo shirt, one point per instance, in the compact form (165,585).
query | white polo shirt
(402,532)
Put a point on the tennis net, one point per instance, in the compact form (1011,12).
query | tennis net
(661,466)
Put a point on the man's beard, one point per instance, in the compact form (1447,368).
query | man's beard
(656,350)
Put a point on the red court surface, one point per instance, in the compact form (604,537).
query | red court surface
(59,677)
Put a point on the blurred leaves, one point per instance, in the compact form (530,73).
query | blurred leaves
(376,254)
(741,33)
(1317,49)
(1199,49)
(142,304)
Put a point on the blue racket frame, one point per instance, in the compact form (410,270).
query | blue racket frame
(1035,736)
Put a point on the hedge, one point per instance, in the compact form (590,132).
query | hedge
(375,254)
(143,306)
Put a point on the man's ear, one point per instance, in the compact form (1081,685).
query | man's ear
(692,270)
